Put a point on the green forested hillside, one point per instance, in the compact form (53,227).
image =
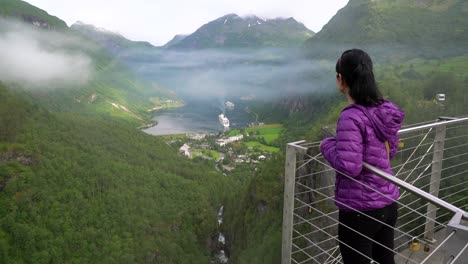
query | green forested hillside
(83,189)
(78,182)
(396,29)
(112,89)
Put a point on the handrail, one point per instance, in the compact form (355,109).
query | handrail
(298,195)
(432,125)
(422,194)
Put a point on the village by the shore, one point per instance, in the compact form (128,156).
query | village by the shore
(229,149)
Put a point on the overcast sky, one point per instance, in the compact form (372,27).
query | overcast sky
(158,21)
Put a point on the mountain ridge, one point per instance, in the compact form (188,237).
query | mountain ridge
(176,39)
(112,41)
(30,14)
(233,31)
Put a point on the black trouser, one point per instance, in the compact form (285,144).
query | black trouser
(371,228)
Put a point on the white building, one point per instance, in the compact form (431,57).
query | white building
(440,97)
(184,150)
(224,141)
(235,138)
(195,136)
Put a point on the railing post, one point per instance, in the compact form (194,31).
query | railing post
(288,207)
(436,172)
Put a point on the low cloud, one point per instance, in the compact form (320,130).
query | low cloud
(262,73)
(41,59)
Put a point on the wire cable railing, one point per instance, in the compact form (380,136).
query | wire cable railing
(432,174)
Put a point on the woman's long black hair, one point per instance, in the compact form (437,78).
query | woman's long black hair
(355,67)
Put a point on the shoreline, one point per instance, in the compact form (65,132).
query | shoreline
(176,104)
(145,126)
(162,107)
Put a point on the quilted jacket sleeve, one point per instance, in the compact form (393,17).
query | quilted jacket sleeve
(393,142)
(345,151)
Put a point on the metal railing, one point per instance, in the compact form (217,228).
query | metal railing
(431,169)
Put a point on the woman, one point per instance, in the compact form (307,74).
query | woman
(367,131)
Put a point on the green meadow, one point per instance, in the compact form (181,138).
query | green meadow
(269,132)
(261,146)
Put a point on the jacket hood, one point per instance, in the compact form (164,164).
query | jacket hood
(386,119)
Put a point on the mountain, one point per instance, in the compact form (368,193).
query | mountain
(129,54)
(109,40)
(426,28)
(30,14)
(233,31)
(176,39)
(100,84)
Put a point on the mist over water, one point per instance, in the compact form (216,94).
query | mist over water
(217,76)
(265,73)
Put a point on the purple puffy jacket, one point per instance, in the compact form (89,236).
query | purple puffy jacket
(360,137)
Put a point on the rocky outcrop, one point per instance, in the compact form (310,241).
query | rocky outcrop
(27,160)
(293,104)
(36,21)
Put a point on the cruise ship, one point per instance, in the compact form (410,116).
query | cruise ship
(223,120)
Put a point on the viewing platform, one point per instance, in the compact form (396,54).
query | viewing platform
(431,168)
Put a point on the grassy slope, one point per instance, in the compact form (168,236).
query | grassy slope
(261,146)
(269,133)
(111,83)
(272,129)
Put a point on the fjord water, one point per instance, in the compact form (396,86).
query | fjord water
(199,116)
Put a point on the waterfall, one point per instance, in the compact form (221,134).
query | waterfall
(220,254)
